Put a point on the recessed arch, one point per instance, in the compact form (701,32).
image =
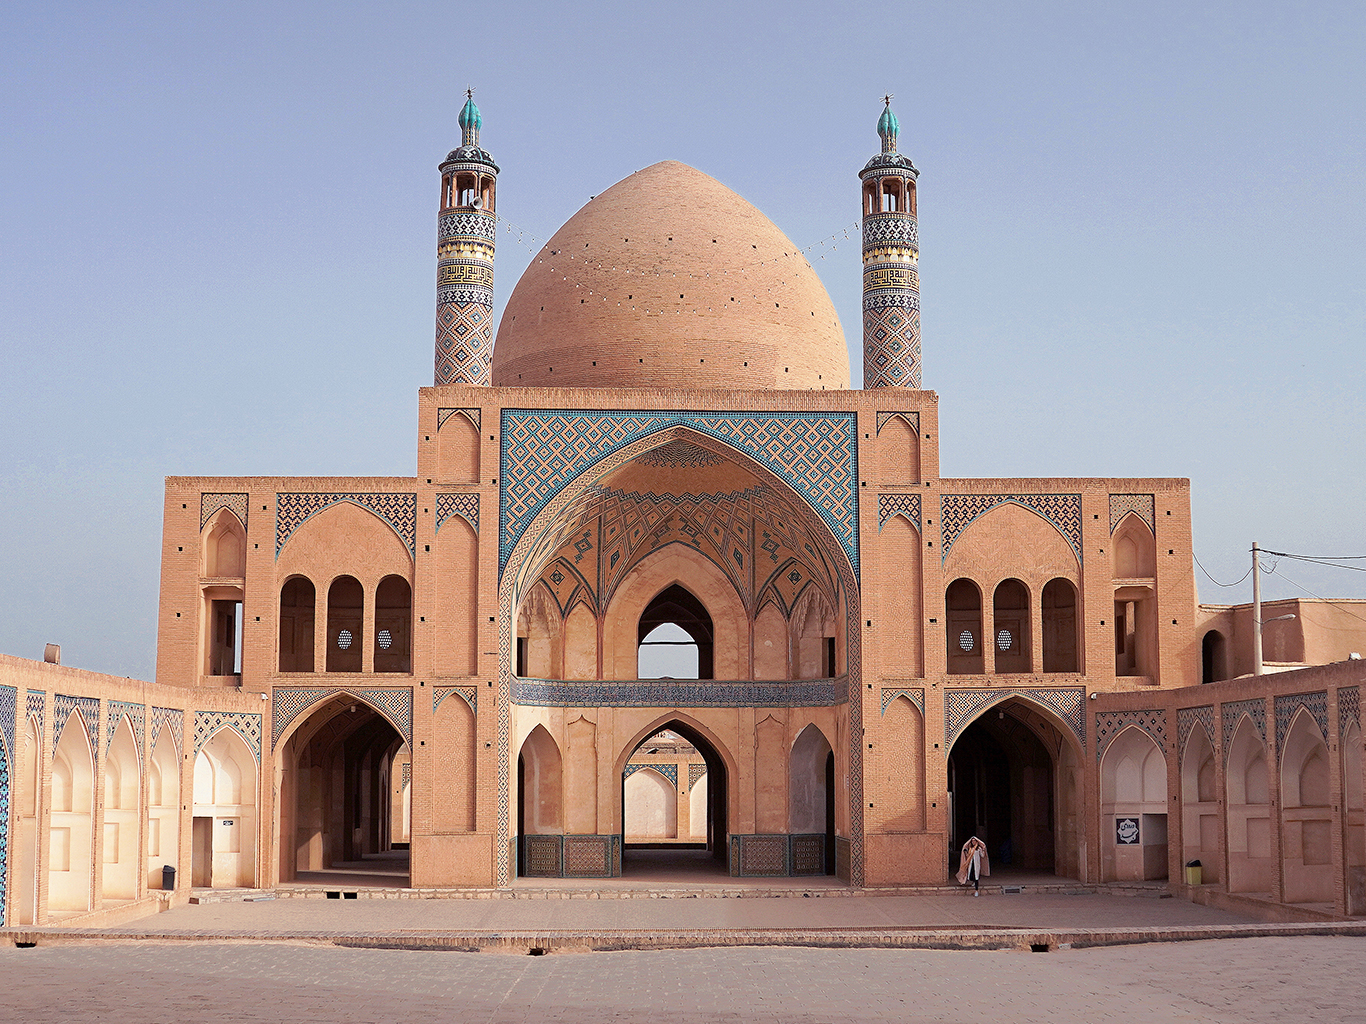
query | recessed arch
(298,611)
(1133,805)
(1213,657)
(72,795)
(1306,813)
(223,840)
(1250,865)
(963,604)
(1010,637)
(345,624)
(649,806)
(1200,810)
(224,547)
(163,809)
(122,813)
(1062,643)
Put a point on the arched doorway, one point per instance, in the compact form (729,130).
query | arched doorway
(1213,660)
(673,795)
(223,827)
(680,624)
(1133,808)
(1013,780)
(337,798)
(811,803)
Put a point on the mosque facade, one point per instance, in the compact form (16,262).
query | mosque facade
(662,447)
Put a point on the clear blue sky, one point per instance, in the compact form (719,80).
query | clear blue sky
(1142,236)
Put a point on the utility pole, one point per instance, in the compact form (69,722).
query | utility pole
(1256,612)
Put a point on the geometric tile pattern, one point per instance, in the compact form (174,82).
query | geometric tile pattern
(464,505)
(9,709)
(465,249)
(592,856)
(117,710)
(34,704)
(1188,718)
(957,511)
(4,809)
(1349,708)
(442,415)
(1110,724)
(679,455)
(1234,710)
(543,856)
(889,505)
(398,510)
(758,856)
(912,420)
(808,854)
(891,292)
(469,693)
(170,719)
(915,695)
(248,726)
(89,708)
(1141,505)
(695,772)
(669,771)
(1286,706)
(685,693)
(545,449)
(962,706)
(407,774)
(234,503)
(464,343)
(891,345)
(288,702)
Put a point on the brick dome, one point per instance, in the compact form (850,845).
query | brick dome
(669,279)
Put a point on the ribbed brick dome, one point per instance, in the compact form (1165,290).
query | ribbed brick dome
(669,279)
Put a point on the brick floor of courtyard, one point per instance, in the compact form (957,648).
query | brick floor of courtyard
(1310,978)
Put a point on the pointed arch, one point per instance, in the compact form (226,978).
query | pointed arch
(1133,794)
(649,805)
(1250,865)
(1200,811)
(224,816)
(223,549)
(163,808)
(71,839)
(122,813)
(1135,549)
(1306,813)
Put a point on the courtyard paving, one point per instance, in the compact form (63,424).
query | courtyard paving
(1313,978)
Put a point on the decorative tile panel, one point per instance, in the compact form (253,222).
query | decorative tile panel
(1110,724)
(958,511)
(681,693)
(669,771)
(466,506)
(1187,719)
(1141,505)
(543,856)
(117,710)
(407,774)
(398,510)
(758,856)
(695,772)
(916,695)
(469,693)
(9,711)
(171,719)
(34,704)
(912,420)
(4,817)
(288,702)
(808,854)
(442,415)
(1349,708)
(211,503)
(962,706)
(1232,713)
(889,505)
(248,726)
(62,709)
(592,856)
(1286,706)
(544,450)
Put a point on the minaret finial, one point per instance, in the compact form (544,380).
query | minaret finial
(888,126)
(470,120)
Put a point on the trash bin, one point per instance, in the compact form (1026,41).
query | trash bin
(168,877)
(1194,873)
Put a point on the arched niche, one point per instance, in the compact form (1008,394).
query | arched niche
(811,792)
(457,459)
(771,643)
(539,636)
(1250,865)
(815,648)
(454,749)
(899,761)
(122,814)
(1010,636)
(394,625)
(298,608)
(223,838)
(27,791)
(1061,622)
(1200,816)
(902,649)
(1133,787)
(1135,550)
(1355,830)
(581,643)
(345,624)
(1213,657)
(224,547)
(163,810)
(963,604)
(898,448)
(1306,814)
(540,805)
(649,806)
(456,563)
(695,574)
(70,846)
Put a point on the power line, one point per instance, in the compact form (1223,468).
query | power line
(1216,582)
(1327,600)
(1316,561)
(1327,558)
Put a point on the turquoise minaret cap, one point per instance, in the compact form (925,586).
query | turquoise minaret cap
(470,121)
(888,126)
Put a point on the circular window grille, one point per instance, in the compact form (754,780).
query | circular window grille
(965,640)
(384,639)
(1004,640)
(344,639)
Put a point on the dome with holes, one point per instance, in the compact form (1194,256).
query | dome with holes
(670,280)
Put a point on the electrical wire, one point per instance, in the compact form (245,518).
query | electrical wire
(1327,600)
(1316,561)
(1216,582)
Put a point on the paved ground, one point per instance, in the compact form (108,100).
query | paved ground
(955,909)
(1249,981)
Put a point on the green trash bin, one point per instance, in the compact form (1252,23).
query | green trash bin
(1194,873)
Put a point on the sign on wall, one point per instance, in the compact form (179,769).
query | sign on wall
(1126,831)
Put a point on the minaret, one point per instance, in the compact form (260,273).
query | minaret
(466,229)
(891,257)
